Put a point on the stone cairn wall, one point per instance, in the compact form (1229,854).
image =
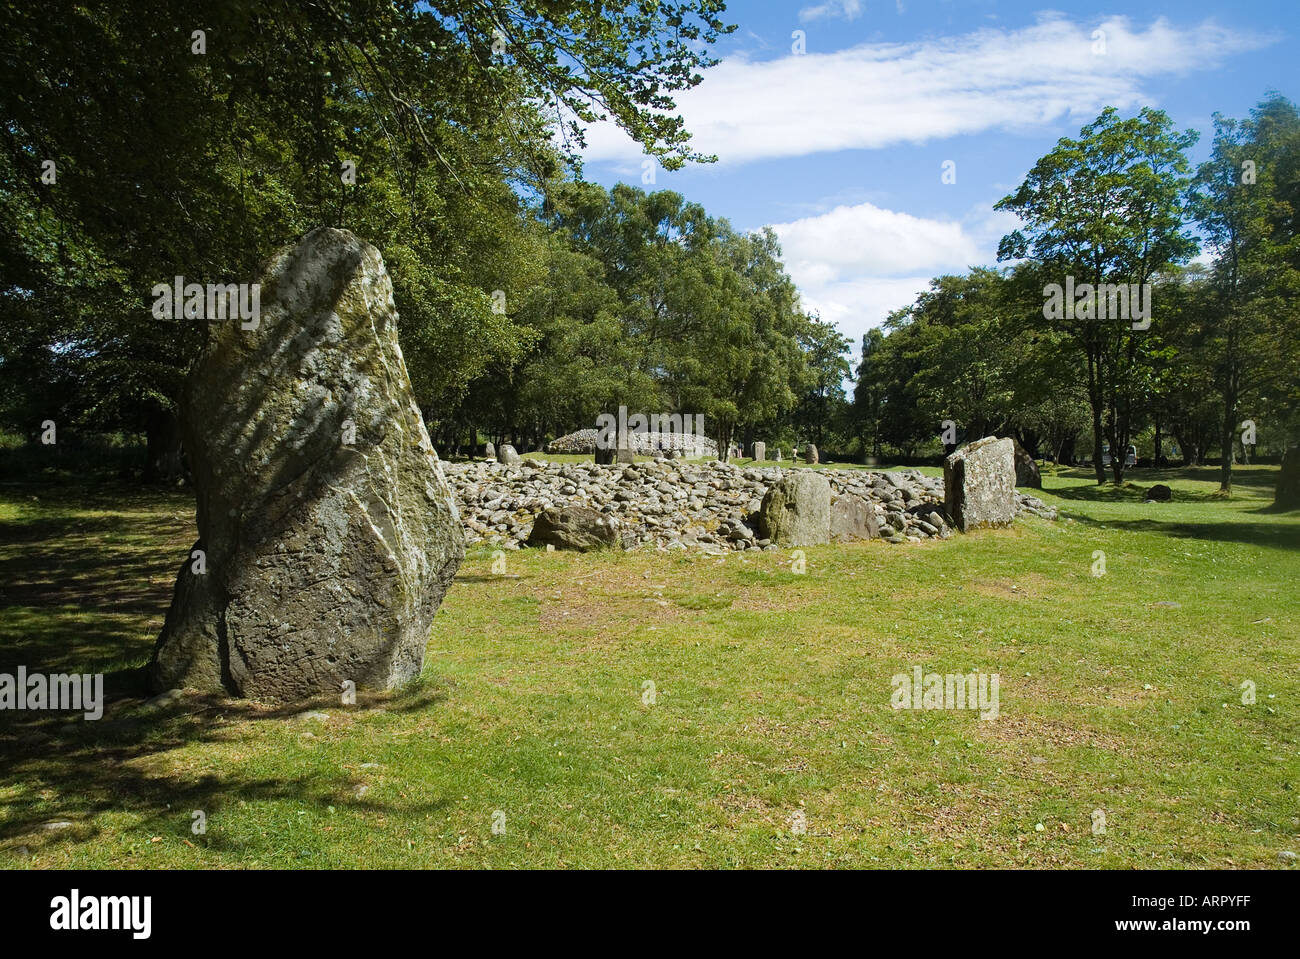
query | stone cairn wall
(642,444)
(674,504)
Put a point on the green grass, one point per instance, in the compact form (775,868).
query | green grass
(772,690)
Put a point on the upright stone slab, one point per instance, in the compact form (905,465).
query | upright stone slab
(1027,474)
(797,510)
(979,482)
(507,456)
(604,455)
(810,455)
(760,452)
(490,451)
(329,532)
(1286,494)
(624,455)
(853,518)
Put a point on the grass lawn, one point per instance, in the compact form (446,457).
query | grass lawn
(771,702)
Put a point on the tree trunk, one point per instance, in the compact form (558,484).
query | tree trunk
(1229,429)
(1098,466)
(163,460)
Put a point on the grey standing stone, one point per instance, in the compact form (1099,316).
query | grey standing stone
(490,451)
(979,484)
(507,456)
(760,452)
(625,455)
(1027,475)
(797,510)
(326,560)
(853,518)
(810,455)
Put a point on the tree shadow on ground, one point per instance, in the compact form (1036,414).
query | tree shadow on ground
(1250,533)
(75,589)
(1261,480)
(74,769)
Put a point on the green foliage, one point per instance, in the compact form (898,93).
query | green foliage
(1107,208)
(175,160)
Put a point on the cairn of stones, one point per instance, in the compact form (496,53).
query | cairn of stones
(640,443)
(677,504)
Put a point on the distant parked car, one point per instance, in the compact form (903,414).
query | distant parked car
(1130,455)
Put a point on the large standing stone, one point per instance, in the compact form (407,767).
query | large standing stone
(810,455)
(575,527)
(797,510)
(1286,495)
(329,533)
(1027,475)
(490,451)
(507,455)
(979,482)
(852,518)
(760,452)
(604,455)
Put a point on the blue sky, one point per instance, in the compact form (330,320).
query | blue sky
(842,148)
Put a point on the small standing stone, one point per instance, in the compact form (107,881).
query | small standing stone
(979,482)
(1027,474)
(811,456)
(760,452)
(507,455)
(490,451)
(853,518)
(797,510)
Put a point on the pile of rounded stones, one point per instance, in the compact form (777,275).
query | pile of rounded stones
(642,444)
(675,504)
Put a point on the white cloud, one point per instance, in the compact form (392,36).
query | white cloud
(848,9)
(879,94)
(854,264)
(839,242)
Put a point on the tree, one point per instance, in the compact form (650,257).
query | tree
(419,125)
(825,350)
(1251,330)
(869,392)
(1106,209)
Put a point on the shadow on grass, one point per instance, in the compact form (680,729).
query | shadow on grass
(1251,533)
(85,579)
(1255,480)
(72,769)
